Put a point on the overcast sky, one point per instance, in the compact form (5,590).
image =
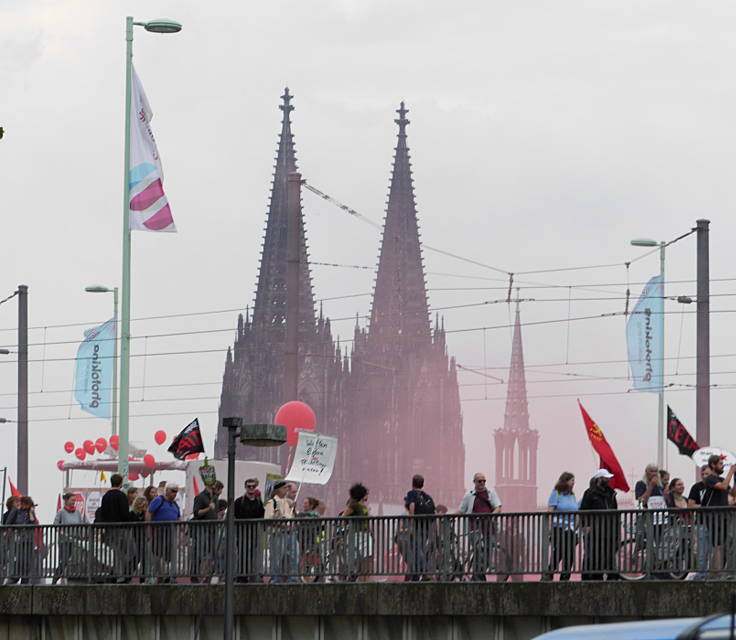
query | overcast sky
(543,135)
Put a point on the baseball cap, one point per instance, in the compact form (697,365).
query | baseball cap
(603,473)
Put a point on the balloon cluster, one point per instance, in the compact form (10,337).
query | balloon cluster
(100,446)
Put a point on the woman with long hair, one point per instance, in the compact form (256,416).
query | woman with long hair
(562,500)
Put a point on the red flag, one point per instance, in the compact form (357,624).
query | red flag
(603,449)
(58,502)
(13,491)
(196,486)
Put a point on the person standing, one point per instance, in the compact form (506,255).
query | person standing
(484,501)
(418,503)
(204,511)
(114,510)
(24,540)
(249,506)
(164,509)
(603,536)
(702,541)
(564,534)
(68,515)
(360,541)
(651,494)
(717,488)
(284,552)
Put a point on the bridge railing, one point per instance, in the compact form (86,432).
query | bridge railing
(631,544)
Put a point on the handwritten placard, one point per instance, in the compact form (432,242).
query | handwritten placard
(314,458)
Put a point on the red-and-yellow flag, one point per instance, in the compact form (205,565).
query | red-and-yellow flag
(603,449)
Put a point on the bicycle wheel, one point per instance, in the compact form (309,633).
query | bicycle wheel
(631,559)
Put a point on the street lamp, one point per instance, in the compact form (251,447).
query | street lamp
(4,352)
(4,420)
(100,289)
(646,242)
(160,25)
(255,435)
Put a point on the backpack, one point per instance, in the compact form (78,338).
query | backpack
(423,505)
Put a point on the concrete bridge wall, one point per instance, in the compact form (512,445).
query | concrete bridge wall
(369,611)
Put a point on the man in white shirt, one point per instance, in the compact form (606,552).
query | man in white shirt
(284,545)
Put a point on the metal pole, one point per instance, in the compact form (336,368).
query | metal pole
(293,208)
(125,318)
(660,409)
(702,398)
(5,480)
(233,426)
(115,364)
(23,389)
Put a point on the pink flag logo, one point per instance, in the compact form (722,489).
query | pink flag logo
(149,207)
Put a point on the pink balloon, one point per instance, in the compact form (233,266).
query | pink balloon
(133,476)
(295,416)
(160,436)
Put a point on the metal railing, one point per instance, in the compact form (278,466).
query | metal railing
(594,544)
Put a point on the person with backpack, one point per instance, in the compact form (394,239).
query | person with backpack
(418,503)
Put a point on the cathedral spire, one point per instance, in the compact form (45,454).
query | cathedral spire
(270,304)
(516,417)
(400,310)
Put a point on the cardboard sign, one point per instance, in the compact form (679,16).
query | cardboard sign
(314,458)
(700,457)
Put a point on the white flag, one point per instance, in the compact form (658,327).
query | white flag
(149,208)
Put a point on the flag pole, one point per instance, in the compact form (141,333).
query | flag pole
(125,311)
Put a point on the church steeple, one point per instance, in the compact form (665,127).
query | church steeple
(270,304)
(400,310)
(516,417)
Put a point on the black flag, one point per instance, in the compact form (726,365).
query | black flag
(188,441)
(678,434)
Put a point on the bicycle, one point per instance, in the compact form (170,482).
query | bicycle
(669,548)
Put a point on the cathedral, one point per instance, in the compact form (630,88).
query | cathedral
(392,400)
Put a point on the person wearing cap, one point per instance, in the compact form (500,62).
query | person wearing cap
(601,541)
(284,545)
(163,509)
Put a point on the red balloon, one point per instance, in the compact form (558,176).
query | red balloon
(133,476)
(89,446)
(114,442)
(191,456)
(145,472)
(100,444)
(160,436)
(69,447)
(60,464)
(149,461)
(295,416)
(80,453)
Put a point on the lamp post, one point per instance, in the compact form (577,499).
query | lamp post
(256,435)
(645,242)
(100,289)
(154,26)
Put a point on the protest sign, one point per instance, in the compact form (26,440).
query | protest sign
(314,458)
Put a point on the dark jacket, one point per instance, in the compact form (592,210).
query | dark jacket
(20,516)
(599,498)
(246,509)
(114,507)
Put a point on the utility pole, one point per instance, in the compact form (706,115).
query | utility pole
(293,209)
(22,471)
(702,398)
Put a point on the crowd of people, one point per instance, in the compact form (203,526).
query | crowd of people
(285,541)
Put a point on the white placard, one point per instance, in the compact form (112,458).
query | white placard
(314,458)
(700,457)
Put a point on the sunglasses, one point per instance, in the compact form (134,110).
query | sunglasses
(480,481)
(250,486)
